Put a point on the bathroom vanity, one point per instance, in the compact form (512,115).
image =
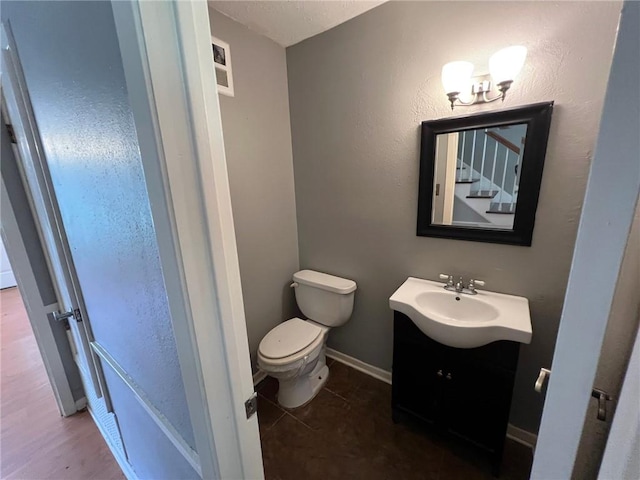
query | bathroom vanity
(461,392)
(455,353)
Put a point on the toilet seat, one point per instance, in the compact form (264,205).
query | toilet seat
(291,341)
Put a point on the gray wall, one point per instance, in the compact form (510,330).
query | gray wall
(73,69)
(257,138)
(358,94)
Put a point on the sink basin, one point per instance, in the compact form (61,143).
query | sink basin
(462,320)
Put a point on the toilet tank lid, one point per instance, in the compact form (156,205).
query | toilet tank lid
(325,281)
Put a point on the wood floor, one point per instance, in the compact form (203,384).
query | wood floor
(35,441)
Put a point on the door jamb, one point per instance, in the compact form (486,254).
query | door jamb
(607,214)
(171,82)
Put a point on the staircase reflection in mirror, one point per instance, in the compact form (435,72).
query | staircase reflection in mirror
(483,188)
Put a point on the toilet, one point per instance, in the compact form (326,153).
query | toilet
(294,351)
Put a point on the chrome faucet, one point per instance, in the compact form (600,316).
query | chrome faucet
(459,287)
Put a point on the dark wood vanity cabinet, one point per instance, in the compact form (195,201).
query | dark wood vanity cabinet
(460,392)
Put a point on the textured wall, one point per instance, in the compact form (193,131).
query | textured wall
(257,137)
(358,94)
(71,60)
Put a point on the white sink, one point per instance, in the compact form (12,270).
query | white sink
(462,320)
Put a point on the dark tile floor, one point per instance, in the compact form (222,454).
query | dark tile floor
(346,432)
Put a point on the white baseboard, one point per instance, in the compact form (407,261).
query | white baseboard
(521,436)
(81,403)
(359,365)
(7,279)
(122,461)
(514,433)
(258,377)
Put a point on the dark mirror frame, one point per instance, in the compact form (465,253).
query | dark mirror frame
(538,120)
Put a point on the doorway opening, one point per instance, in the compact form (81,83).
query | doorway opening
(37,442)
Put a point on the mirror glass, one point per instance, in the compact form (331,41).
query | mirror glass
(477,176)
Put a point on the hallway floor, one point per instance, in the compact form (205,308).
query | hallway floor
(36,442)
(347,432)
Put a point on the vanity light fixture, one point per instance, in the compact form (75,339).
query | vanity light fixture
(504,66)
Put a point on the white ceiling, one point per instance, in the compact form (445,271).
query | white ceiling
(291,21)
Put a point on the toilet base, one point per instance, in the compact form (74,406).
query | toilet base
(298,391)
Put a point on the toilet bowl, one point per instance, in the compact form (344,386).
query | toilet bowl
(294,351)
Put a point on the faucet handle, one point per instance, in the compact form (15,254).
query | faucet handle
(447,277)
(473,284)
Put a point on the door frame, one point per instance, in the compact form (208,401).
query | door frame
(607,215)
(168,65)
(37,312)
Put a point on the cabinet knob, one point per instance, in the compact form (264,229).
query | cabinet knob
(439,373)
(448,377)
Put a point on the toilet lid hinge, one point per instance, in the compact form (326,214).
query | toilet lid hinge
(251,405)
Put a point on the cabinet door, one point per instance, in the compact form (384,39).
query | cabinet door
(478,398)
(416,363)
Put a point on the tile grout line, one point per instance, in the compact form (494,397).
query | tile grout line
(284,412)
(298,420)
(274,423)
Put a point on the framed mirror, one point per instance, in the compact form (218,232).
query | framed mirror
(480,175)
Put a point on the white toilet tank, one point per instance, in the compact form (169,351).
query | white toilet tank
(323,298)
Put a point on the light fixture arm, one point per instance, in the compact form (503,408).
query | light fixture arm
(503,87)
(454,97)
(504,66)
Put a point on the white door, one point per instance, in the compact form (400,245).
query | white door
(166,53)
(147,235)
(612,192)
(37,182)
(7,279)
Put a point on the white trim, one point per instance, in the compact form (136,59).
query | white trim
(259,376)
(514,433)
(521,436)
(214,192)
(160,420)
(359,365)
(170,77)
(7,279)
(81,403)
(124,465)
(138,74)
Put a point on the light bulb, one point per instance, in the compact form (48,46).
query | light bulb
(456,76)
(505,64)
